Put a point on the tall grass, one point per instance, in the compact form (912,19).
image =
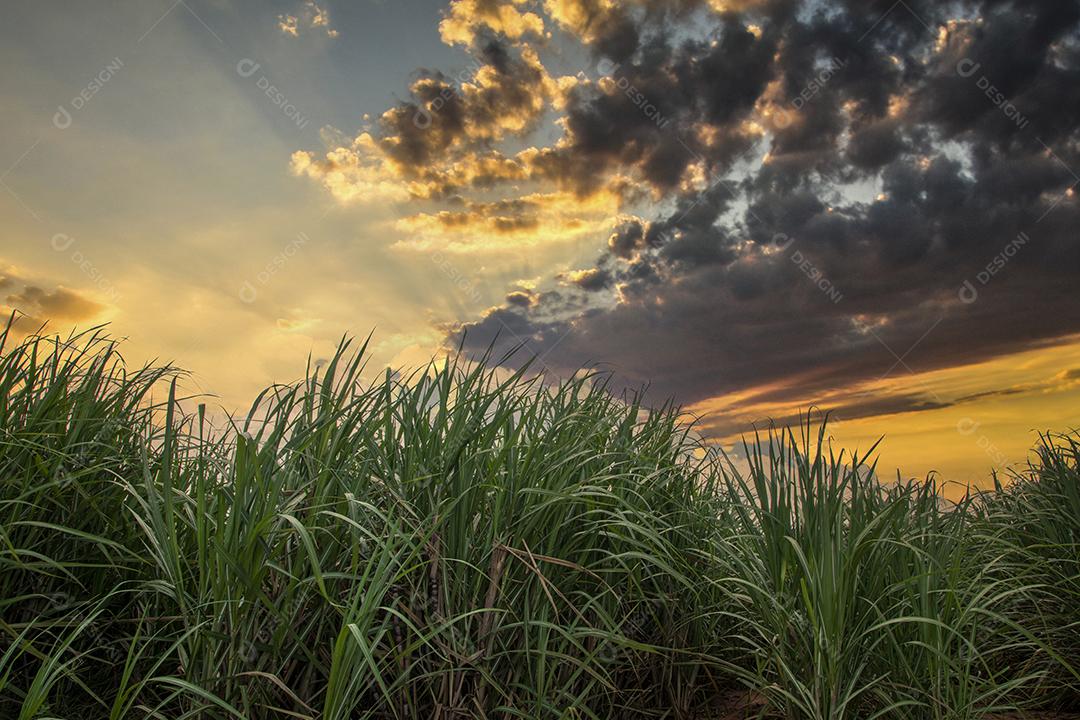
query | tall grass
(462,542)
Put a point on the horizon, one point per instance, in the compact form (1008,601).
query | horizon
(754,207)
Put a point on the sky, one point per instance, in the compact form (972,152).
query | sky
(755,207)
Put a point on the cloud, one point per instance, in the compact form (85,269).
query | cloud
(590,279)
(59,303)
(465,20)
(1069,375)
(788,197)
(505,224)
(440,142)
(520,298)
(310,16)
(36,302)
(735,421)
(352,173)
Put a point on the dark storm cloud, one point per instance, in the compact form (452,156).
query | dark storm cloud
(520,298)
(1027,52)
(875,144)
(627,239)
(504,90)
(412,133)
(855,409)
(727,74)
(639,113)
(838,190)
(969,250)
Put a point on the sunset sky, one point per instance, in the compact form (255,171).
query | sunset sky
(752,206)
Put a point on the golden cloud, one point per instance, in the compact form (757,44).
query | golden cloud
(358,172)
(578,16)
(310,15)
(547,218)
(465,18)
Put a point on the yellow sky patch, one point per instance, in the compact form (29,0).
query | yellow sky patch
(987,425)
